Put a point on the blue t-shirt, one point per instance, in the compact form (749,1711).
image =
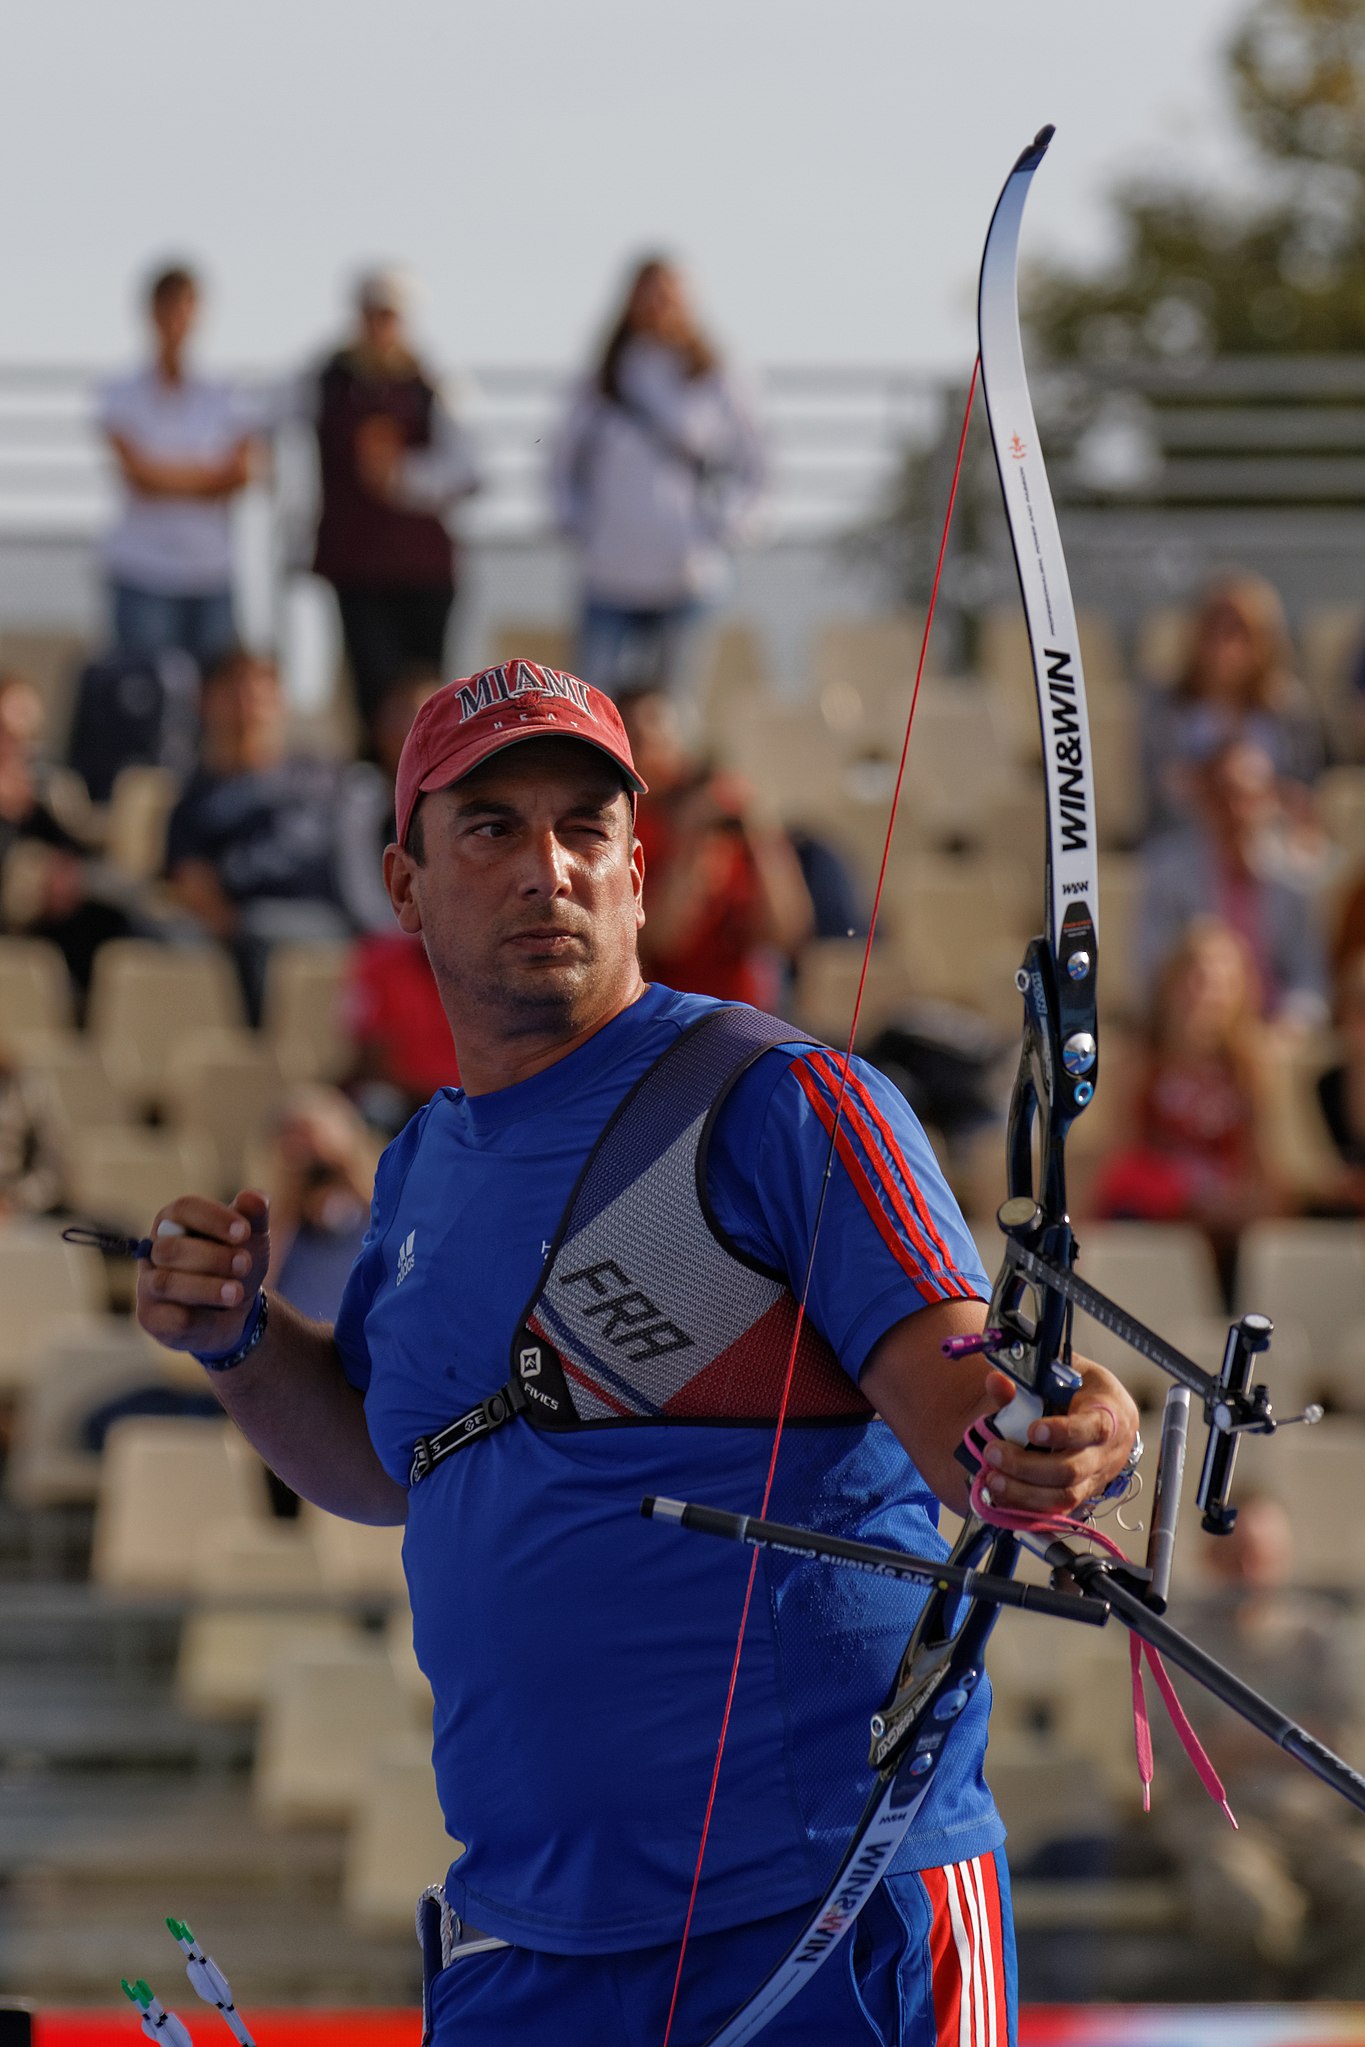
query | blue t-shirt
(578,1654)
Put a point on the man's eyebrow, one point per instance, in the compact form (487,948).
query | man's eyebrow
(484,806)
(589,803)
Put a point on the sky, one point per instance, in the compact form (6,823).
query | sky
(825,168)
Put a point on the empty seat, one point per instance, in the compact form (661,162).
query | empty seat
(227,1658)
(397,1840)
(1118,989)
(877,655)
(1163,643)
(77,1370)
(1006,654)
(1346,1376)
(228,1086)
(1156,1271)
(356,1561)
(1312,1273)
(1045,1792)
(143,996)
(302,1013)
(1341,799)
(327,1714)
(1331,637)
(259,1561)
(69,1082)
(957,764)
(791,757)
(140,806)
(1319,1474)
(122,1176)
(827,982)
(1298,1144)
(959,932)
(35,988)
(46,1288)
(734,678)
(166,1485)
(1120,797)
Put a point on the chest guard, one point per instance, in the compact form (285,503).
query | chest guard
(644,1313)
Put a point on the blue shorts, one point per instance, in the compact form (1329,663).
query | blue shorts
(929,1963)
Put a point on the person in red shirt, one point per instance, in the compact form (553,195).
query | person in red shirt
(393,1013)
(725,903)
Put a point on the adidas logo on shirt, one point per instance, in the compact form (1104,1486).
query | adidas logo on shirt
(406,1257)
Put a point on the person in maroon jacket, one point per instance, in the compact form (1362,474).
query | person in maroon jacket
(393,462)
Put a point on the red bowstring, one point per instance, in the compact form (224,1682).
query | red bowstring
(833,1137)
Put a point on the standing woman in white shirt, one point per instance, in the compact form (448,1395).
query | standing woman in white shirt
(657,467)
(183,448)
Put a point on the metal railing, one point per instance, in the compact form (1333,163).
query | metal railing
(836,434)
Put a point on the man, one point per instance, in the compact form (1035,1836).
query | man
(578,1655)
(393,463)
(183,447)
(250,845)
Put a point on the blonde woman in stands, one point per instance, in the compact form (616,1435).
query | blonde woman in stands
(1193,1149)
(655,473)
(1238,682)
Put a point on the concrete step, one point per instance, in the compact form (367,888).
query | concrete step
(105,1857)
(49,1718)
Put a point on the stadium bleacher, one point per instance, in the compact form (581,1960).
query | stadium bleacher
(190,1643)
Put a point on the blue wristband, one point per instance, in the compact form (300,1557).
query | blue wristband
(253,1331)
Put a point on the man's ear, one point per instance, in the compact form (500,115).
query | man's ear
(637,868)
(400,872)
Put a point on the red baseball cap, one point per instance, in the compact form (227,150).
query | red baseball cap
(472,718)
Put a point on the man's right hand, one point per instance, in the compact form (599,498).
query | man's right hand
(196,1291)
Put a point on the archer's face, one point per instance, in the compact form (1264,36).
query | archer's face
(528,897)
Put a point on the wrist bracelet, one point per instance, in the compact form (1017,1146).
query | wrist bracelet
(228,1360)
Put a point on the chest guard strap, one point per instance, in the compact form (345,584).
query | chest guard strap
(643,1312)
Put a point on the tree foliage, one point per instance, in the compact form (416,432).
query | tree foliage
(1199,274)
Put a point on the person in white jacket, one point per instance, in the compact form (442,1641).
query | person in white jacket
(656,471)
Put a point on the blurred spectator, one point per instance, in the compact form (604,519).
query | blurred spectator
(1229,861)
(401,1034)
(658,464)
(365,815)
(30,1158)
(1238,683)
(183,448)
(249,847)
(51,886)
(321,1180)
(1349,936)
(392,463)
(403,1047)
(1193,1149)
(1287,1890)
(1341,1090)
(724,899)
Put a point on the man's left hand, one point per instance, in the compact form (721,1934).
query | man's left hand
(1069,1458)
